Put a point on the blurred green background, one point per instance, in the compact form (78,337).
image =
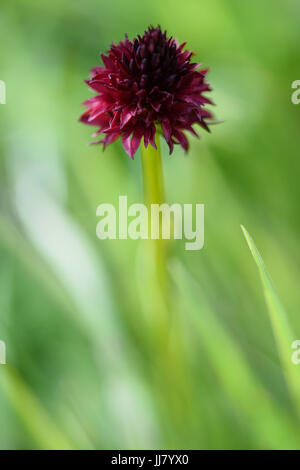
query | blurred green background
(82,370)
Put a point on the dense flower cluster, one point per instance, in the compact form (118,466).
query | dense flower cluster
(147,83)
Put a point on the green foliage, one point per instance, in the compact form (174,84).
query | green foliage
(83,369)
(280,323)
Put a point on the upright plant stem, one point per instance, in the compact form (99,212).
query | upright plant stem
(153,174)
(167,354)
(157,248)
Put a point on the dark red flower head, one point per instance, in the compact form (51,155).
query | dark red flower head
(147,83)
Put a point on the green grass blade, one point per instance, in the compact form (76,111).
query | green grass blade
(34,417)
(283,332)
(264,419)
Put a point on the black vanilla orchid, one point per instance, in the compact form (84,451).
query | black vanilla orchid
(146,84)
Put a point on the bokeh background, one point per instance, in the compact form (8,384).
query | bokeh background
(75,312)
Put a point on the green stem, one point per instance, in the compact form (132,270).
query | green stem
(153,184)
(167,353)
(152,174)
